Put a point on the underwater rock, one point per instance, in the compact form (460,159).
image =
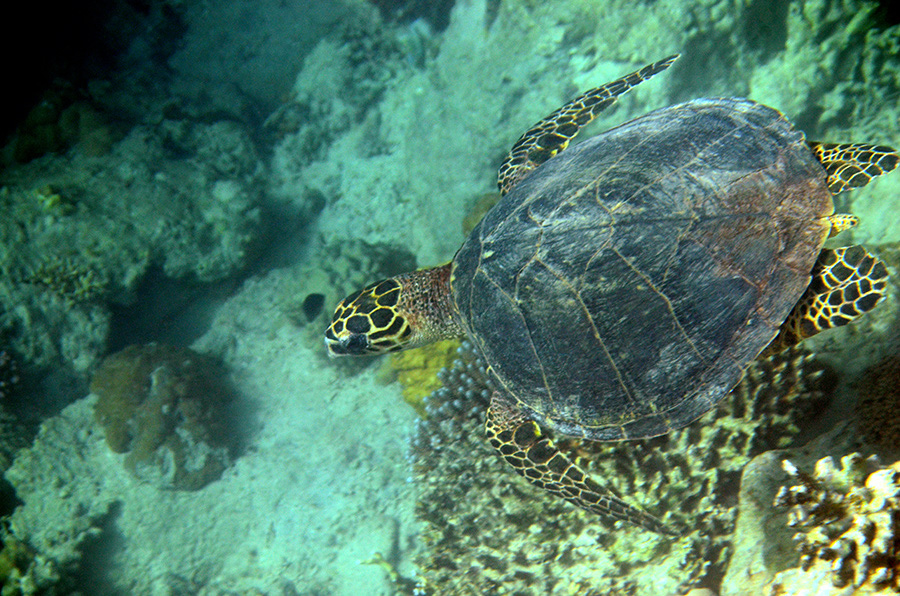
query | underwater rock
(79,233)
(485,528)
(167,409)
(56,515)
(761,545)
(848,522)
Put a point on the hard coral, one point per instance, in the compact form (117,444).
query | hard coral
(484,528)
(849,527)
(167,409)
(70,279)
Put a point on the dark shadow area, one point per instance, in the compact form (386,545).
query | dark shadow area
(435,12)
(166,310)
(179,311)
(93,573)
(48,42)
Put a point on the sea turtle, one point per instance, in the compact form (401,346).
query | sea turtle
(619,289)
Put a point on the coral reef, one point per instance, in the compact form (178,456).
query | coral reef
(17,429)
(486,528)
(71,279)
(79,233)
(167,409)
(848,522)
(15,560)
(63,503)
(412,138)
(436,12)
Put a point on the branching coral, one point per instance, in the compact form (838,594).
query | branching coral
(73,281)
(486,529)
(849,526)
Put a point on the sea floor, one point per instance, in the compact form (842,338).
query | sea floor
(320,489)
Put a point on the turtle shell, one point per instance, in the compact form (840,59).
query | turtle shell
(622,288)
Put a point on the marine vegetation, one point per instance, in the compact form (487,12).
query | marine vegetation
(848,527)
(482,531)
(167,409)
(16,558)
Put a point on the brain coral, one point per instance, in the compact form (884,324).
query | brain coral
(848,522)
(486,529)
(167,409)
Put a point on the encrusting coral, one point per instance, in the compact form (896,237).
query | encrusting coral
(167,409)
(848,522)
(485,528)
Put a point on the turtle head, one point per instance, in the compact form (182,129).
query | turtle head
(369,322)
(402,312)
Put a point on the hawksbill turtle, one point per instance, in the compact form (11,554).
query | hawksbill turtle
(619,288)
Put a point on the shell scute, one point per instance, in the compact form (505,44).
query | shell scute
(621,288)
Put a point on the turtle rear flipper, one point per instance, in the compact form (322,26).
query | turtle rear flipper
(853,165)
(552,134)
(519,441)
(846,283)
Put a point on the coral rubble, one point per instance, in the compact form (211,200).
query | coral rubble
(486,528)
(848,522)
(167,409)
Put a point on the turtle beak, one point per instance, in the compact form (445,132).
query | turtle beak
(353,344)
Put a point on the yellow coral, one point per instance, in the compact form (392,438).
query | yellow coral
(417,370)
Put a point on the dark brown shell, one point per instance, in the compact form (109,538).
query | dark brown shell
(621,289)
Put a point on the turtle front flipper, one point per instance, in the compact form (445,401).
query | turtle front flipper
(846,283)
(855,164)
(520,442)
(552,134)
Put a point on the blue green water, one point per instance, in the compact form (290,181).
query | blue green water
(216,177)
